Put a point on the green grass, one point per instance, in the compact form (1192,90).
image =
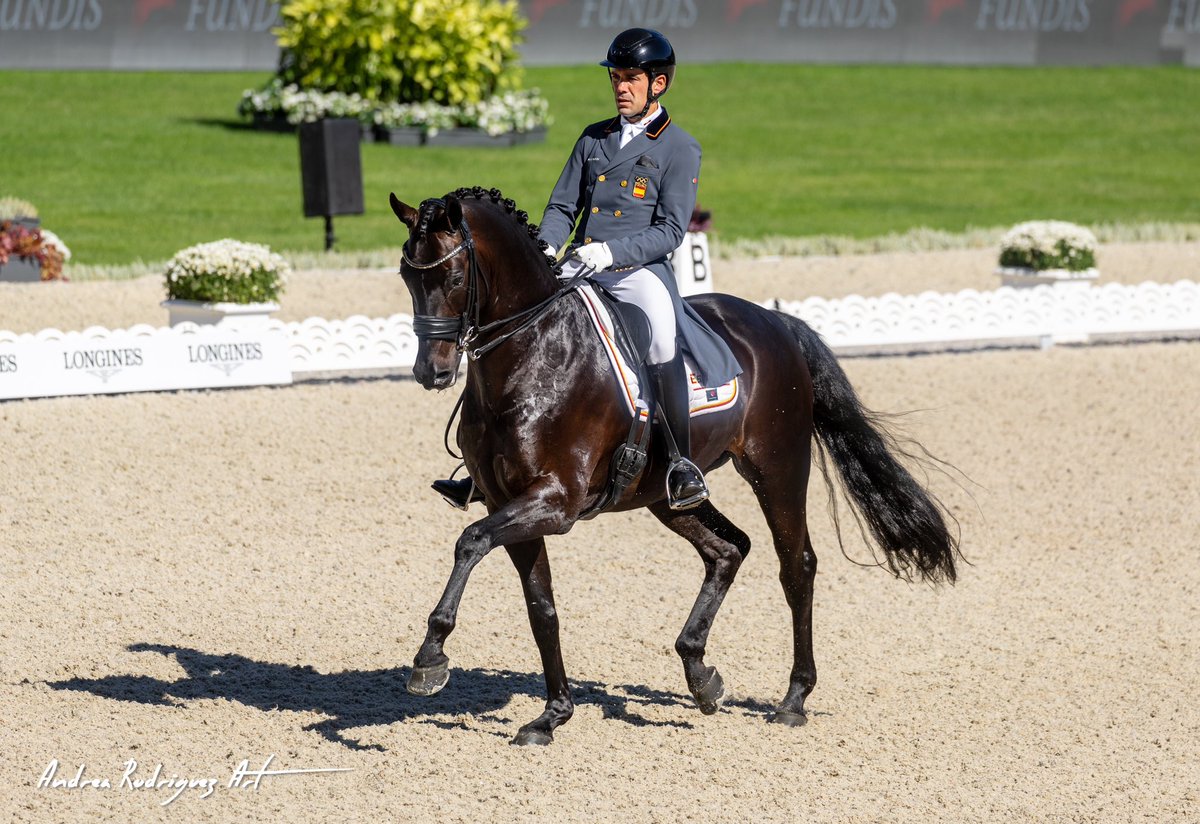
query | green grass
(135,166)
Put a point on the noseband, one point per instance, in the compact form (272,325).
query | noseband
(466,328)
(435,327)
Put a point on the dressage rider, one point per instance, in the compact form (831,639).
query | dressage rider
(630,183)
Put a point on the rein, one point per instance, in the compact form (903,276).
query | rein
(467,328)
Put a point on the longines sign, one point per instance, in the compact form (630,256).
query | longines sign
(236,34)
(142,359)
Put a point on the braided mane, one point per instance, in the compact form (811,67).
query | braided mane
(507,204)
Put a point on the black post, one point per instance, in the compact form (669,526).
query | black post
(331,170)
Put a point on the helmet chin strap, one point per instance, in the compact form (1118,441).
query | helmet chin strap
(651,98)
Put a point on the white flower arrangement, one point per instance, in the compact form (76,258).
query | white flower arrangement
(500,114)
(431,117)
(1048,245)
(509,112)
(226,271)
(51,239)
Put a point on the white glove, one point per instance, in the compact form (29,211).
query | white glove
(594,255)
(550,252)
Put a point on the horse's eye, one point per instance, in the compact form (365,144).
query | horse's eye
(456,278)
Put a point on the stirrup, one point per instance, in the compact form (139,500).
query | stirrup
(691,500)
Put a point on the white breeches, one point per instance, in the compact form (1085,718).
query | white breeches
(643,289)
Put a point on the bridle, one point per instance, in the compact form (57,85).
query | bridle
(467,328)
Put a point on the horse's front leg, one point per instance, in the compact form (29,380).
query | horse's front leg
(534,568)
(530,517)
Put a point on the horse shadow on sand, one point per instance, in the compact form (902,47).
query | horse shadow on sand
(356,698)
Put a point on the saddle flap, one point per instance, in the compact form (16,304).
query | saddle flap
(635,327)
(631,327)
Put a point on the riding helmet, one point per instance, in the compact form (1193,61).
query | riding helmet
(644,49)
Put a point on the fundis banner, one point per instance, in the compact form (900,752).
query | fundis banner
(138,34)
(1007,32)
(236,34)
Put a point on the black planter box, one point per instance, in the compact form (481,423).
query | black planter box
(18,270)
(400,135)
(537,135)
(29,223)
(468,137)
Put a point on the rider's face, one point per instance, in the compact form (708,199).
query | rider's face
(631,87)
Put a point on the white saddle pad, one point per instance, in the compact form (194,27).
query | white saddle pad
(704,400)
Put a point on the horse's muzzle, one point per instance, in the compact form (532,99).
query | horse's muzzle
(431,376)
(444,379)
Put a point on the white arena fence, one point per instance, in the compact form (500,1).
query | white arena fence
(145,358)
(1063,313)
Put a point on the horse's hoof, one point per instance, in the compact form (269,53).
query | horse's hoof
(428,680)
(789,719)
(709,696)
(539,738)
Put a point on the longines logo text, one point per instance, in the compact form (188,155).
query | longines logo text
(102,358)
(50,15)
(8,363)
(225,352)
(225,356)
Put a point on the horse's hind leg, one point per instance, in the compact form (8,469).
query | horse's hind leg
(781,493)
(722,546)
(534,568)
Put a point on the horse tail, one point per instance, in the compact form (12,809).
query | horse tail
(903,517)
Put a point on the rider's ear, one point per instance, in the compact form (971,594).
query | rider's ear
(406,213)
(454,212)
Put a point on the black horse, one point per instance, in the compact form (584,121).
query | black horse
(541,421)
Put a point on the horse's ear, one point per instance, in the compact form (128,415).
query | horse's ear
(406,213)
(454,212)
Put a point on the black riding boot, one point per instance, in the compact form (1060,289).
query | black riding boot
(685,482)
(459,494)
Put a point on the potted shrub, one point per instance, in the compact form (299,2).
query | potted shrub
(30,255)
(412,72)
(224,282)
(1047,251)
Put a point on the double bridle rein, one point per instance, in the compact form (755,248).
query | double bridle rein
(465,329)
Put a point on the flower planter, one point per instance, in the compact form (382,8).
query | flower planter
(19,270)
(467,137)
(244,315)
(400,135)
(1023,278)
(29,223)
(535,135)
(366,133)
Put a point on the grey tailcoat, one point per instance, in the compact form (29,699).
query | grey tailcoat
(639,201)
